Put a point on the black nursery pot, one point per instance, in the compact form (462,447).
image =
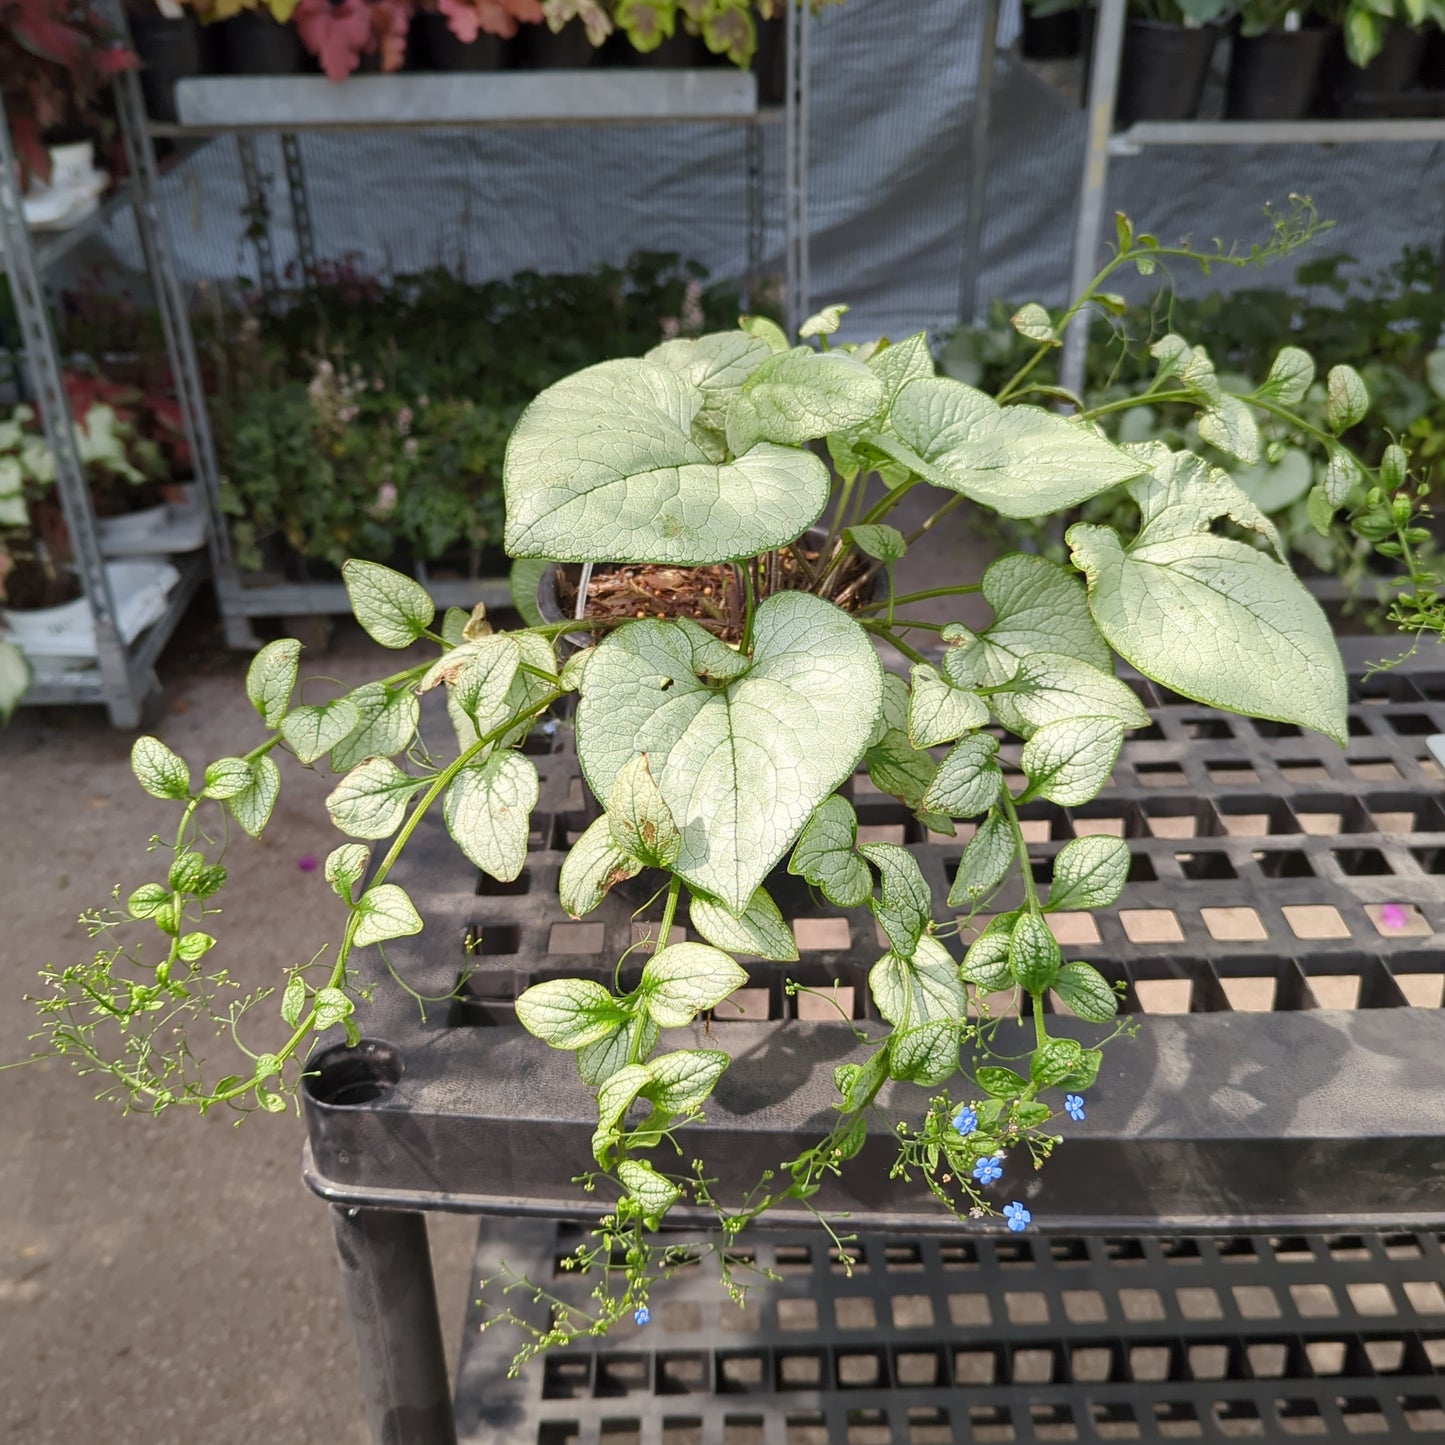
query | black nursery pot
(257,44)
(680,51)
(1051,37)
(770,61)
(1374,89)
(170,50)
(1163,70)
(1274,76)
(537,48)
(443,51)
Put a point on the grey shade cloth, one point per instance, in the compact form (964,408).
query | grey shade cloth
(892,90)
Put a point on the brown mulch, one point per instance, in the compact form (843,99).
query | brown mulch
(711,595)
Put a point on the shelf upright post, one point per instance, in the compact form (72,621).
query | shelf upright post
(1089,222)
(176,326)
(797,282)
(300,205)
(45,371)
(980,119)
(258,217)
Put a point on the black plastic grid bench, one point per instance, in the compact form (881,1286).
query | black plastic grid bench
(1278,934)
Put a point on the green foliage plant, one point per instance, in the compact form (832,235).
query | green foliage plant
(716,764)
(369,417)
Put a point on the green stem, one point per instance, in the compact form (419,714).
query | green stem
(929,522)
(438,786)
(1129,401)
(1300,424)
(888,635)
(1031,889)
(178,899)
(669,912)
(840,514)
(751,607)
(908,597)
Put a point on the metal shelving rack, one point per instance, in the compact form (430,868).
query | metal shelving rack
(288,106)
(124,677)
(1103,143)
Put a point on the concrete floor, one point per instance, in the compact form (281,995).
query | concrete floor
(171,1281)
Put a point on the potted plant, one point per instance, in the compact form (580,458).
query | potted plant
(170,47)
(1051,30)
(53,71)
(1380,52)
(1275,61)
(718,764)
(258,38)
(1168,48)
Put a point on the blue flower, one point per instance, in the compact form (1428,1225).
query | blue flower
(1074,1105)
(643,1314)
(987,1170)
(965,1121)
(1019,1218)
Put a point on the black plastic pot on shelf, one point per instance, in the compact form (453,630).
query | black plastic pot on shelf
(770,61)
(538,48)
(170,50)
(442,50)
(1379,88)
(1051,37)
(256,44)
(680,51)
(1275,76)
(1163,69)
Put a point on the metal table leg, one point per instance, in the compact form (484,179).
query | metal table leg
(386,1275)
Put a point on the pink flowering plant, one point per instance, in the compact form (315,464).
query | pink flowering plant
(717,760)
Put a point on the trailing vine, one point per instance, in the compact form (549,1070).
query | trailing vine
(717,763)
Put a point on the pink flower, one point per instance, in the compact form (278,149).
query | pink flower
(306,863)
(1394,915)
(403,421)
(385,499)
(336,34)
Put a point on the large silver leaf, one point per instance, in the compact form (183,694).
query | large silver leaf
(604,466)
(741,763)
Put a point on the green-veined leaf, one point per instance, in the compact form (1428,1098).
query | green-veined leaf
(383,912)
(252,807)
(346,866)
(903,911)
(760,930)
(603,464)
(388,719)
(1020,460)
(370,801)
(826,856)
(488,811)
(799,395)
(680,981)
(968,779)
(1086,992)
(394,609)
(594,866)
(985,862)
(1069,762)
(741,765)
(162,773)
(310,731)
(271,678)
(1033,954)
(939,712)
(641,823)
(1217,621)
(569,1013)
(1089,872)
(683,1079)
(1347,399)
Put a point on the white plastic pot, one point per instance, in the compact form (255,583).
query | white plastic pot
(140,590)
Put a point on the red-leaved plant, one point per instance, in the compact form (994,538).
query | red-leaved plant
(55,57)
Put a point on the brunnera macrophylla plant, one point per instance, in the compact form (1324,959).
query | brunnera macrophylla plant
(716,763)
